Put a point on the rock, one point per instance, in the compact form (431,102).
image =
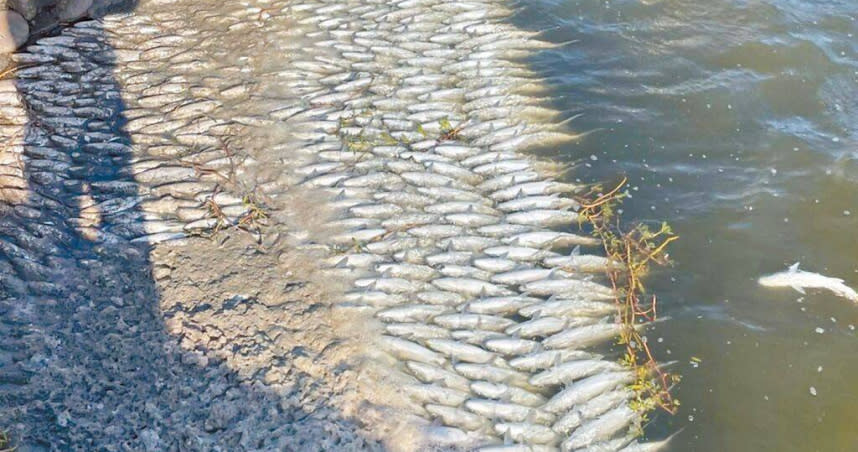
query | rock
(28,8)
(68,10)
(14,31)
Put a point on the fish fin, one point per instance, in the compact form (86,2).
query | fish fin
(794,267)
(576,251)
(799,289)
(507,438)
(436,422)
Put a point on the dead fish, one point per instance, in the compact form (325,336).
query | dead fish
(474,337)
(527,433)
(492,374)
(440,297)
(583,336)
(601,428)
(495,265)
(457,417)
(416,331)
(518,277)
(518,253)
(508,393)
(428,373)
(569,287)
(391,285)
(576,307)
(502,230)
(546,326)
(500,305)
(534,188)
(538,202)
(506,411)
(407,350)
(570,371)
(546,359)
(473,243)
(581,263)
(431,393)
(543,217)
(511,346)
(408,271)
(452,257)
(373,298)
(411,313)
(464,271)
(473,322)
(586,389)
(459,351)
(470,287)
(591,409)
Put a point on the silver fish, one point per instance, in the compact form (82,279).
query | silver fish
(428,373)
(473,322)
(430,393)
(586,389)
(459,351)
(470,287)
(800,280)
(457,417)
(601,428)
(416,331)
(589,410)
(411,313)
(407,350)
(528,433)
(570,371)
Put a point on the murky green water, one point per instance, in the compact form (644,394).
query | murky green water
(736,121)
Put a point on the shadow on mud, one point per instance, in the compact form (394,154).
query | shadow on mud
(85,360)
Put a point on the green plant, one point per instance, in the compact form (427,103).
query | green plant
(635,250)
(6,442)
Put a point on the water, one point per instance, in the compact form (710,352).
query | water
(737,122)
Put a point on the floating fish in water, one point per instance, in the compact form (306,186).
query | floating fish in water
(800,280)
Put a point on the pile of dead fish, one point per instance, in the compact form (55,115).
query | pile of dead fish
(414,117)
(454,231)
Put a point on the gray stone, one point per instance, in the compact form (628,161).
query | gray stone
(27,8)
(68,10)
(14,31)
